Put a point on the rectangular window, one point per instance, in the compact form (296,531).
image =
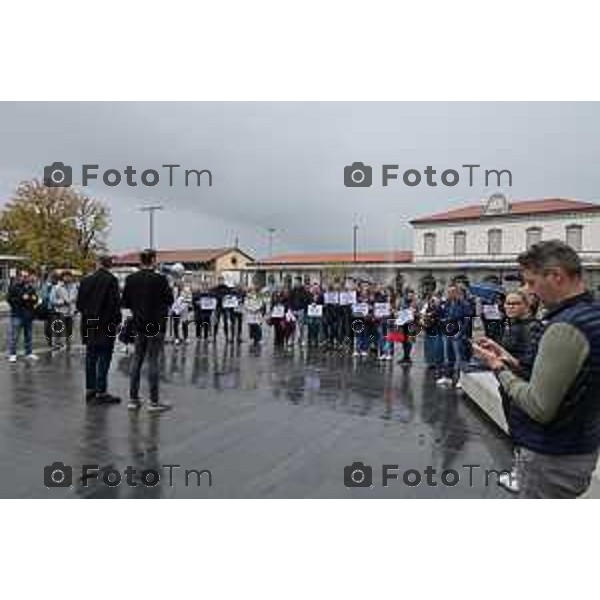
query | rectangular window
(460,243)
(495,241)
(534,236)
(575,237)
(429,244)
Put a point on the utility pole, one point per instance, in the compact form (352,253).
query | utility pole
(151,210)
(271,231)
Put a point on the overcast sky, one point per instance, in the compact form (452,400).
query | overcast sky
(281,164)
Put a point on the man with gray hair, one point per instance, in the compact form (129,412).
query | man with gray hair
(555,416)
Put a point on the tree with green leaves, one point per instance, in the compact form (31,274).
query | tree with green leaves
(54,227)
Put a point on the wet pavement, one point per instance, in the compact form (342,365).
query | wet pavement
(253,423)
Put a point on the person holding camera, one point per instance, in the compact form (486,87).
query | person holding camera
(22,299)
(98,302)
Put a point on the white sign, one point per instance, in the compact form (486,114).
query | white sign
(278,311)
(406,315)
(208,303)
(315,310)
(382,309)
(331,298)
(491,312)
(362,308)
(231,302)
(347,298)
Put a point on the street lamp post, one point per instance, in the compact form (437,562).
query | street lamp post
(271,231)
(151,210)
(354,231)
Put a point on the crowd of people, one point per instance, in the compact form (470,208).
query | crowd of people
(542,341)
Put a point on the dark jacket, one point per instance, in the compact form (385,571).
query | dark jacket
(521,338)
(576,427)
(22,298)
(219,292)
(299,298)
(148,295)
(98,302)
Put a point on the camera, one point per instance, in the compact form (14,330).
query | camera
(58,175)
(58,326)
(58,475)
(358,475)
(358,175)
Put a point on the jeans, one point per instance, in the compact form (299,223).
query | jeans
(151,347)
(203,319)
(300,319)
(17,323)
(554,476)
(385,346)
(433,348)
(455,357)
(314,330)
(97,364)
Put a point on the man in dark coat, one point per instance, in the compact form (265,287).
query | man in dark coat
(98,301)
(148,295)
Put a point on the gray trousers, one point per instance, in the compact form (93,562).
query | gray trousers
(152,349)
(550,476)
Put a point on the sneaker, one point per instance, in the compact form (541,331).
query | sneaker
(382,357)
(32,356)
(356,353)
(364,353)
(157,407)
(134,404)
(509,482)
(458,385)
(105,398)
(444,381)
(389,357)
(12,358)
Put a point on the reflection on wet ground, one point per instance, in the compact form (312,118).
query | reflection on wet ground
(264,423)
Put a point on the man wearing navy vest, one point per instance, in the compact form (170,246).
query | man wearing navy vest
(555,416)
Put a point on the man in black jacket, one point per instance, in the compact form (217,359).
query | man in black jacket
(99,304)
(219,292)
(148,295)
(22,299)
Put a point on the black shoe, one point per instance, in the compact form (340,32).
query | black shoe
(90,395)
(105,398)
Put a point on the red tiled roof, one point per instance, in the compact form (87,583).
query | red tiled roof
(523,207)
(403,256)
(197,255)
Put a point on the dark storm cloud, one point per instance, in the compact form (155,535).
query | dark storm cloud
(281,164)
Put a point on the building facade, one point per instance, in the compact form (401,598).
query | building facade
(481,242)
(475,243)
(199,265)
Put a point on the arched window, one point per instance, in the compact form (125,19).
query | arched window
(533,236)
(460,243)
(495,241)
(574,235)
(429,244)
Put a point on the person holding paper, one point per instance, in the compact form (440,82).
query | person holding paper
(254,307)
(204,304)
(219,292)
(331,300)
(314,318)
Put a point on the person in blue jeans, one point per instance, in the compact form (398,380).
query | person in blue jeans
(454,312)
(22,298)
